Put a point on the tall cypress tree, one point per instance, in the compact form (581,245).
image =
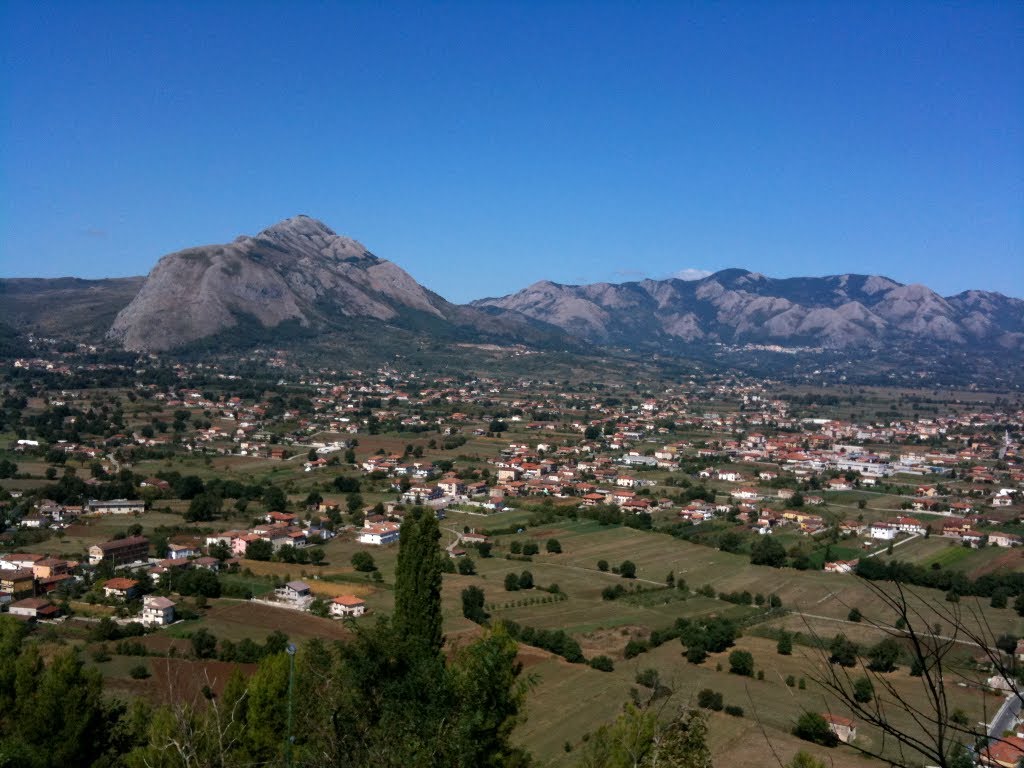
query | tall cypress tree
(417,616)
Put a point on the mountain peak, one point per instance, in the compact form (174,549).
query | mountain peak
(301,225)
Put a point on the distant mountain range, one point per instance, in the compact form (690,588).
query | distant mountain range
(735,306)
(300,274)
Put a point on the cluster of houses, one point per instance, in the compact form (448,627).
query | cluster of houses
(50,514)
(27,580)
(299,595)
(280,529)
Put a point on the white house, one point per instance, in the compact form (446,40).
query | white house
(882,531)
(909,525)
(999,539)
(118,506)
(295,592)
(157,610)
(379,533)
(347,605)
(182,551)
(34,608)
(749,494)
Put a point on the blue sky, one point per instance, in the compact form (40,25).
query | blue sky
(484,146)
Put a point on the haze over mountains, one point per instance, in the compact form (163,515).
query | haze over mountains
(299,273)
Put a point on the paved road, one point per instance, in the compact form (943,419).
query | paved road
(1006,717)
(895,544)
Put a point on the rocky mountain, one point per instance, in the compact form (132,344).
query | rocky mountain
(298,281)
(299,272)
(65,307)
(735,306)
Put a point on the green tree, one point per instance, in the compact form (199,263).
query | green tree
(511,582)
(274,498)
(741,663)
(261,549)
(863,690)
(554,546)
(768,551)
(883,655)
(602,565)
(638,740)
(784,647)
(805,760)
(466,566)
(204,644)
(363,561)
(709,699)
(473,605)
(52,714)
(204,507)
(417,612)
(628,569)
(526,580)
(842,651)
(811,726)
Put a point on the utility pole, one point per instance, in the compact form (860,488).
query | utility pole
(290,650)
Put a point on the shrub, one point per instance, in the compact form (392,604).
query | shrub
(741,663)
(602,663)
(648,678)
(473,605)
(843,651)
(613,592)
(634,648)
(785,645)
(363,562)
(812,727)
(709,699)
(863,690)
(733,710)
(884,655)
(696,654)
(139,672)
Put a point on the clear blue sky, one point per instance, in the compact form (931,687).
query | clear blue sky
(484,146)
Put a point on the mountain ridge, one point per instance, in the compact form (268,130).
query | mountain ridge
(738,306)
(302,273)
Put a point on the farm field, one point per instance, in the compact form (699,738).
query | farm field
(950,553)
